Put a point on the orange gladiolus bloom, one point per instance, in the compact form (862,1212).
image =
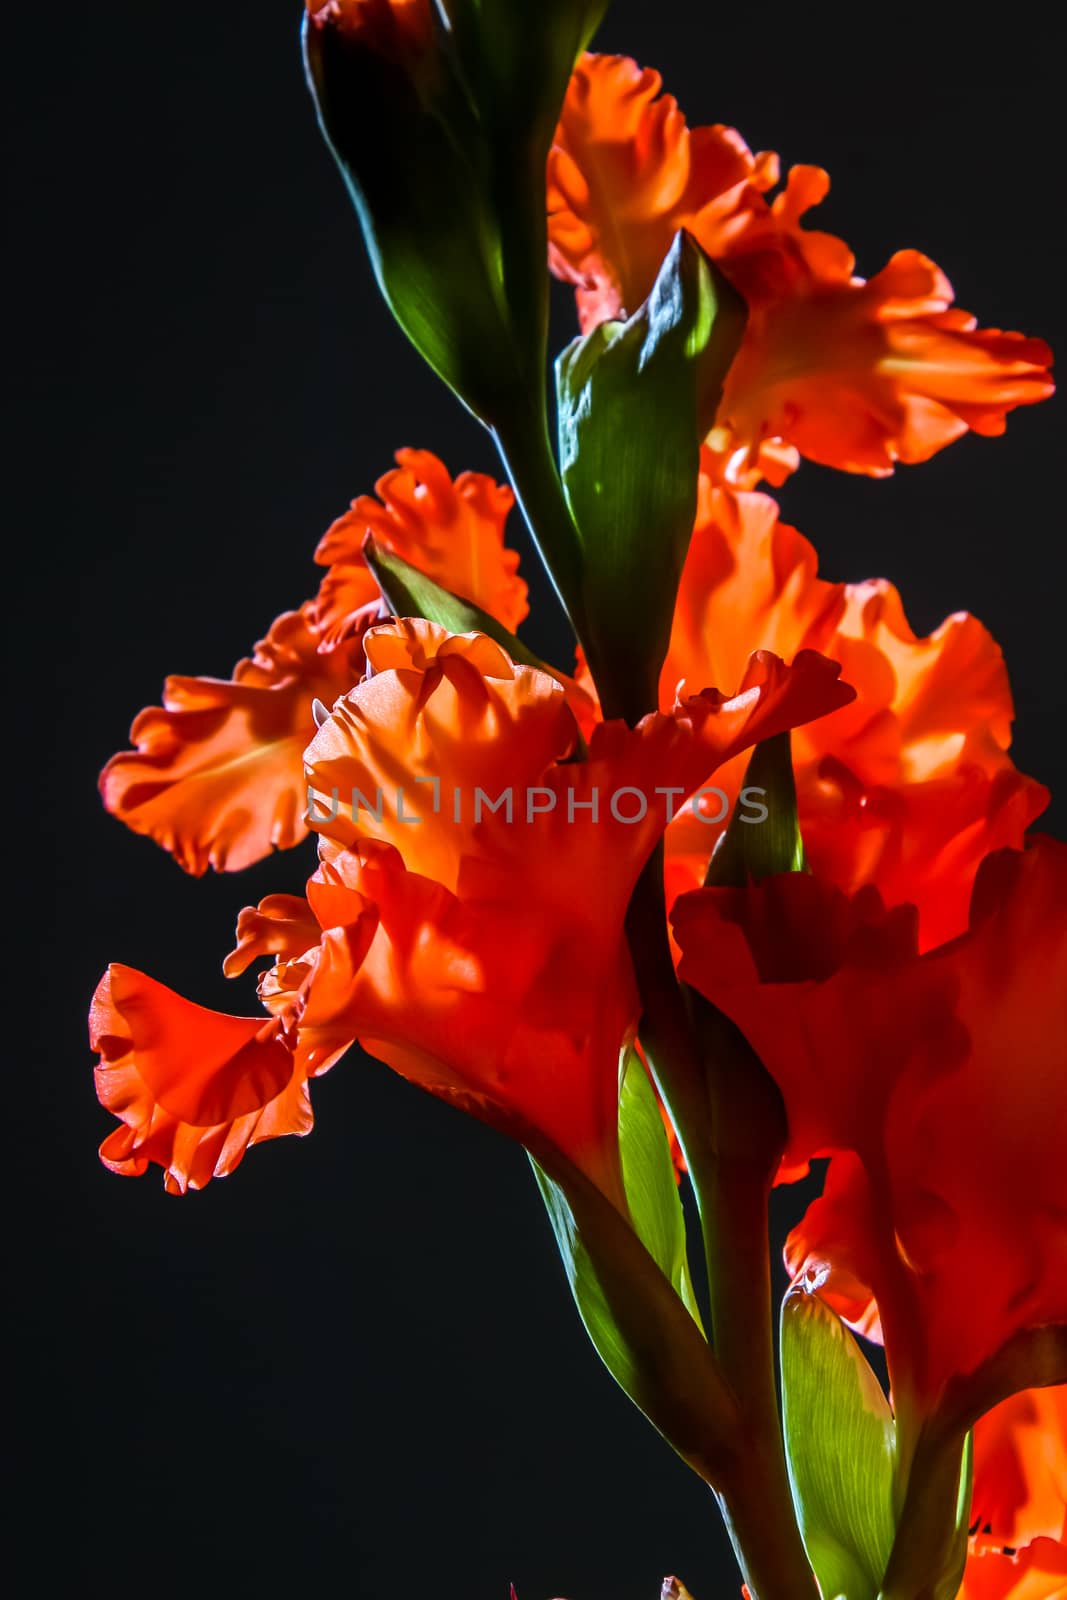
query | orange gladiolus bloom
(1018,1550)
(937,1084)
(857,375)
(908,787)
(217,777)
(454,947)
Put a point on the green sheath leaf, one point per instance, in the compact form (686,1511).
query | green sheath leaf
(635,399)
(840,1441)
(753,848)
(649,1180)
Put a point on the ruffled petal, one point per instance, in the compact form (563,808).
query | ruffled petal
(217,777)
(1020,1468)
(1037,1572)
(192,1088)
(445,725)
(281,925)
(862,375)
(625,173)
(452,531)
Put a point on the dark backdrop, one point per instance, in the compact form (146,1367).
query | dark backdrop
(354,1368)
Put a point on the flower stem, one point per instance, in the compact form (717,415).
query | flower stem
(525,450)
(730,1121)
(930,1548)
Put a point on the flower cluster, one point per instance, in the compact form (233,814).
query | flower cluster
(904,991)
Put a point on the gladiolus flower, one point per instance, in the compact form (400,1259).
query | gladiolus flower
(857,375)
(217,777)
(519,1025)
(443,929)
(910,786)
(936,1083)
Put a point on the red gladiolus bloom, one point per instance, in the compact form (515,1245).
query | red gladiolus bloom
(855,374)
(937,1084)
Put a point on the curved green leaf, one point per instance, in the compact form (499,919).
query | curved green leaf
(840,1443)
(635,398)
(755,847)
(411,593)
(639,1325)
(649,1180)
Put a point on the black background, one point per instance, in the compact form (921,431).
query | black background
(354,1367)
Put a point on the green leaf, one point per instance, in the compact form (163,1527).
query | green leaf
(640,1327)
(519,58)
(754,847)
(589,1295)
(626,1265)
(649,1180)
(411,593)
(840,1442)
(442,142)
(958,1558)
(635,399)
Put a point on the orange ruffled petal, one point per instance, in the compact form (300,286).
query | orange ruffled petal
(192,1088)
(217,775)
(452,531)
(1037,1572)
(1019,1505)
(625,173)
(1020,1468)
(862,375)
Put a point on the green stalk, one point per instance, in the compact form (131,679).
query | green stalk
(929,1554)
(525,449)
(730,1121)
